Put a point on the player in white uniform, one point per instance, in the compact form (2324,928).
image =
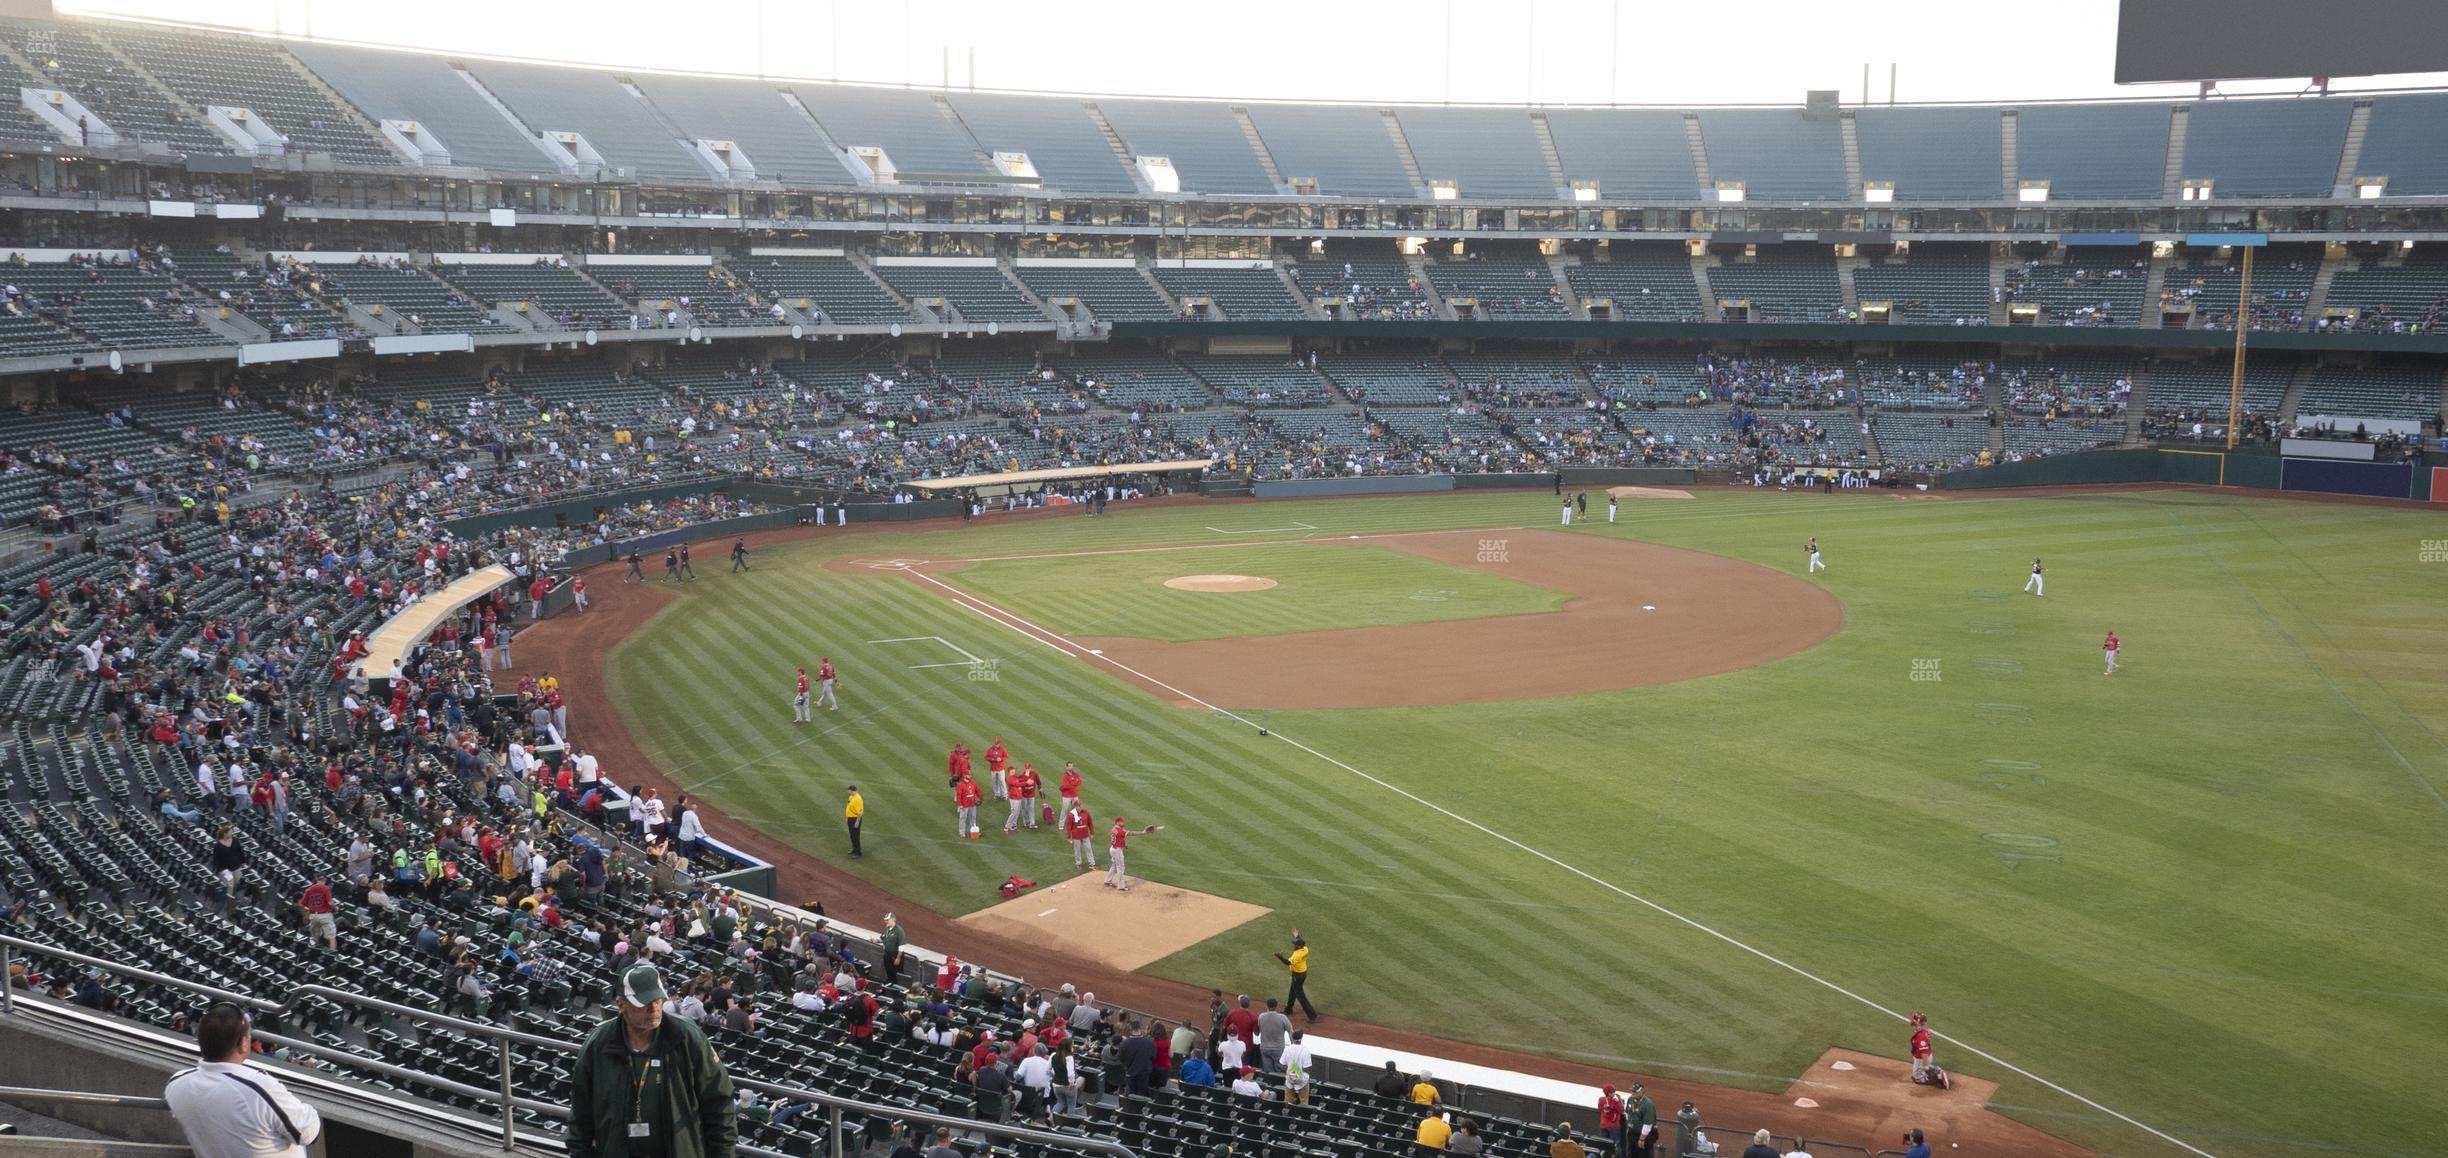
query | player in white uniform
(2035,585)
(1815,564)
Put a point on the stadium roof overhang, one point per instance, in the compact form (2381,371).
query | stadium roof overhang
(1017,478)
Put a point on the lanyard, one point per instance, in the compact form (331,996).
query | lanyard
(637,1099)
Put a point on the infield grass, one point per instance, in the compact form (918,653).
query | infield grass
(1317,587)
(2205,892)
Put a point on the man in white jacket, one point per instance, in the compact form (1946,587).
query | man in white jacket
(230,1110)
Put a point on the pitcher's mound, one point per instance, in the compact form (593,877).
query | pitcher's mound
(1648,493)
(1083,918)
(1219,583)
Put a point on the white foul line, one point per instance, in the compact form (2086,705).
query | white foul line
(973,660)
(1033,631)
(1264,530)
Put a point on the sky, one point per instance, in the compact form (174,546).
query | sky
(1418,51)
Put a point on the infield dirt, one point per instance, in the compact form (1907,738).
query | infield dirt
(1641,614)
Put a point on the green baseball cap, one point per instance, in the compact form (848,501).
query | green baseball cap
(642,985)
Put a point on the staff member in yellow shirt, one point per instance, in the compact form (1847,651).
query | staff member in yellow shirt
(854,814)
(1298,963)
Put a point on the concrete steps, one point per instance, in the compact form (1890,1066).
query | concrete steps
(347,110)
(2152,286)
(1113,140)
(2171,182)
(859,260)
(2294,392)
(1548,153)
(1852,159)
(1709,309)
(2007,130)
(2318,300)
(2136,404)
(1845,268)
(1699,150)
(2000,260)
(2351,157)
(1418,266)
(1258,145)
(1563,282)
(1402,150)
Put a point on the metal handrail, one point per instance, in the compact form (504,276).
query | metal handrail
(81,1098)
(835,1105)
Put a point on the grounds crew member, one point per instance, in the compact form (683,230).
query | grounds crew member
(649,1086)
(1298,963)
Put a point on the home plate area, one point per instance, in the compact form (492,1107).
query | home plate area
(1125,930)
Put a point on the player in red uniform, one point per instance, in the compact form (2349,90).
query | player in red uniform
(799,703)
(578,591)
(1925,1069)
(1115,878)
(965,804)
(956,764)
(2110,647)
(1069,788)
(1024,794)
(824,684)
(1080,829)
(996,758)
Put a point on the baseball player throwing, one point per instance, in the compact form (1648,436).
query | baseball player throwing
(1115,878)
(2035,584)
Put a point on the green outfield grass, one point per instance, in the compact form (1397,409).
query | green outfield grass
(2205,892)
(1317,588)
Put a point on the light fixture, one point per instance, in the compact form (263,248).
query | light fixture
(1730,192)
(2031,191)
(1878,192)
(2370,188)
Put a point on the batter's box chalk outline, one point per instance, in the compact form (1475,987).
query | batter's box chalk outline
(887,564)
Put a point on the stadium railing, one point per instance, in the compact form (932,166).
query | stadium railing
(506,1040)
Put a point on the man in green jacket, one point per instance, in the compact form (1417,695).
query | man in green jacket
(649,1086)
(1640,1123)
(888,948)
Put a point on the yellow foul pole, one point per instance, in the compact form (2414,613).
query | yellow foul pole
(2243,324)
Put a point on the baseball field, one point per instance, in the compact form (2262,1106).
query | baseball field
(1647,796)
